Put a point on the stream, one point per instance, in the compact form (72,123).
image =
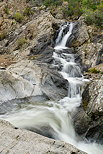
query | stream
(54,119)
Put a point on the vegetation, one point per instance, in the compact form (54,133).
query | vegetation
(27,11)
(52,2)
(18,17)
(21,42)
(2,35)
(6,10)
(92,10)
(94,70)
(34,57)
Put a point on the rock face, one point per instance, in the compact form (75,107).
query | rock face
(90,53)
(88,120)
(33,39)
(25,79)
(18,141)
(87,45)
(96,97)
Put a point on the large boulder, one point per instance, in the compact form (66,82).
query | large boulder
(18,141)
(81,35)
(95,95)
(88,120)
(25,79)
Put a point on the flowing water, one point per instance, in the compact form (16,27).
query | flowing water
(54,119)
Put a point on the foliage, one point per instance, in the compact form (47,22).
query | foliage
(6,10)
(21,42)
(92,10)
(74,8)
(94,70)
(27,11)
(52,2)
(2,35)
(18,17)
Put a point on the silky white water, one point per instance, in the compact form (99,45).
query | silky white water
(57,116)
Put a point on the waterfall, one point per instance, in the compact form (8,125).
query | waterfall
(60,33)
(62,44)
(56,117)
(70,70)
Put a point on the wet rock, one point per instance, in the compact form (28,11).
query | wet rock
(23,141)
(12,105)
(46,131)
(95,132)
(53,85)
(81,121)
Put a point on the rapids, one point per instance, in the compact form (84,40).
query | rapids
(54,119)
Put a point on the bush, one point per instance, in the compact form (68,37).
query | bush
(52,2)
(98,18)
(18,17)
(95,17)
(89,17)
(28,11)
(90,4)
(2,35)
(6,10)
(21,42)
(74,8)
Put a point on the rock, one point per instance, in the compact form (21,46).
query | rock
(95,132)
(25,79)
(82,35)
(90,53)
(86,44)
(15,104)
(19,81)
(34,35)
(53,85)
(18,141)
(88,120)
(81,121)
(95,91)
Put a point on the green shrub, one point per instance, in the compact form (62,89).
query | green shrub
(21,42)
(90,4)
(6,10)
(18,17)
(74,8)
(89,17)
(94,17)
(2,35)
(94,70)
(98,18)
(48,3)
(28,11)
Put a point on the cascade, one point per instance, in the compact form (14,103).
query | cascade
(57,116)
